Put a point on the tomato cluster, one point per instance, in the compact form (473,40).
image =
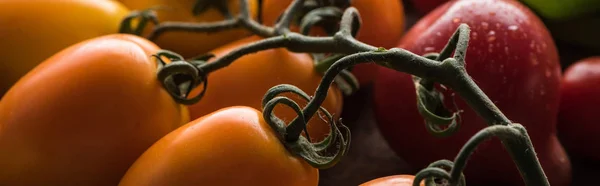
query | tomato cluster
(82,104)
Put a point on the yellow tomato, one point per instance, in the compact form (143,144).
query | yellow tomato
(33,30)
(190,44)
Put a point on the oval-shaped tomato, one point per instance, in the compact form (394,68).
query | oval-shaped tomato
(29,38)
(190,44)
(577,124)
(513,59)
(382,26)
(247,79)
(395,180)
(84,115)
(231,146)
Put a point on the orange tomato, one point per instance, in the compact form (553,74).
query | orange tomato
(382,26)
(248,78)
(84,115)
(33,30)
(190,44)
(396,180)
(231,146)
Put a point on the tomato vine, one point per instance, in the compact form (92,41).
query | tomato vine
(446,68)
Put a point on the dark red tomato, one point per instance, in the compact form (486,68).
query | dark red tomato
(513,59)
(577,119)
(425,6)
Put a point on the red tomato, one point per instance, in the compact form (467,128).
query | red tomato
(577,124)
(382,26)
(231,146)
(426,6)
(513,59)
(396,180)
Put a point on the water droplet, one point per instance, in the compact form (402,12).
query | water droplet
(484,25)
(542,92)
(513,27)
(456,20)
(491,36)
(501,69)
(548,72)
(438,34)
(498,25)
(474,34)
(428,49)
(493,13)
(506,50)
(491,49)
(533,59)
(504,80)
(532,45)
(544,46)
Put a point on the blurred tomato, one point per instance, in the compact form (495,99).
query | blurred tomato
(31,31)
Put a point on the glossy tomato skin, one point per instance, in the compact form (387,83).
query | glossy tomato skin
(190,44)
(247,80)
(395,180)
(577,126)
(382,26)
(513,59)
(32,32)
(84,115)
(231,146)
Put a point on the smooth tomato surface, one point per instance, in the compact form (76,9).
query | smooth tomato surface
(231,146)
(246,81)
(83,116)
(31,31)
(513,59)
(190,44)
(577,124)
(382,26)
(395,180)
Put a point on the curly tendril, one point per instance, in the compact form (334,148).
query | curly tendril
(452,171)
(321,16)
(301,146)
(329,15)
(439,171)
(180,77)
(430,102)
(142,17)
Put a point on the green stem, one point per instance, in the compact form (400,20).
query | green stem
(451,73)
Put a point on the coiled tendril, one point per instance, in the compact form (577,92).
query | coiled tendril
(430,102)
(329,17)
(180,77)
(290,134)
(452,171)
